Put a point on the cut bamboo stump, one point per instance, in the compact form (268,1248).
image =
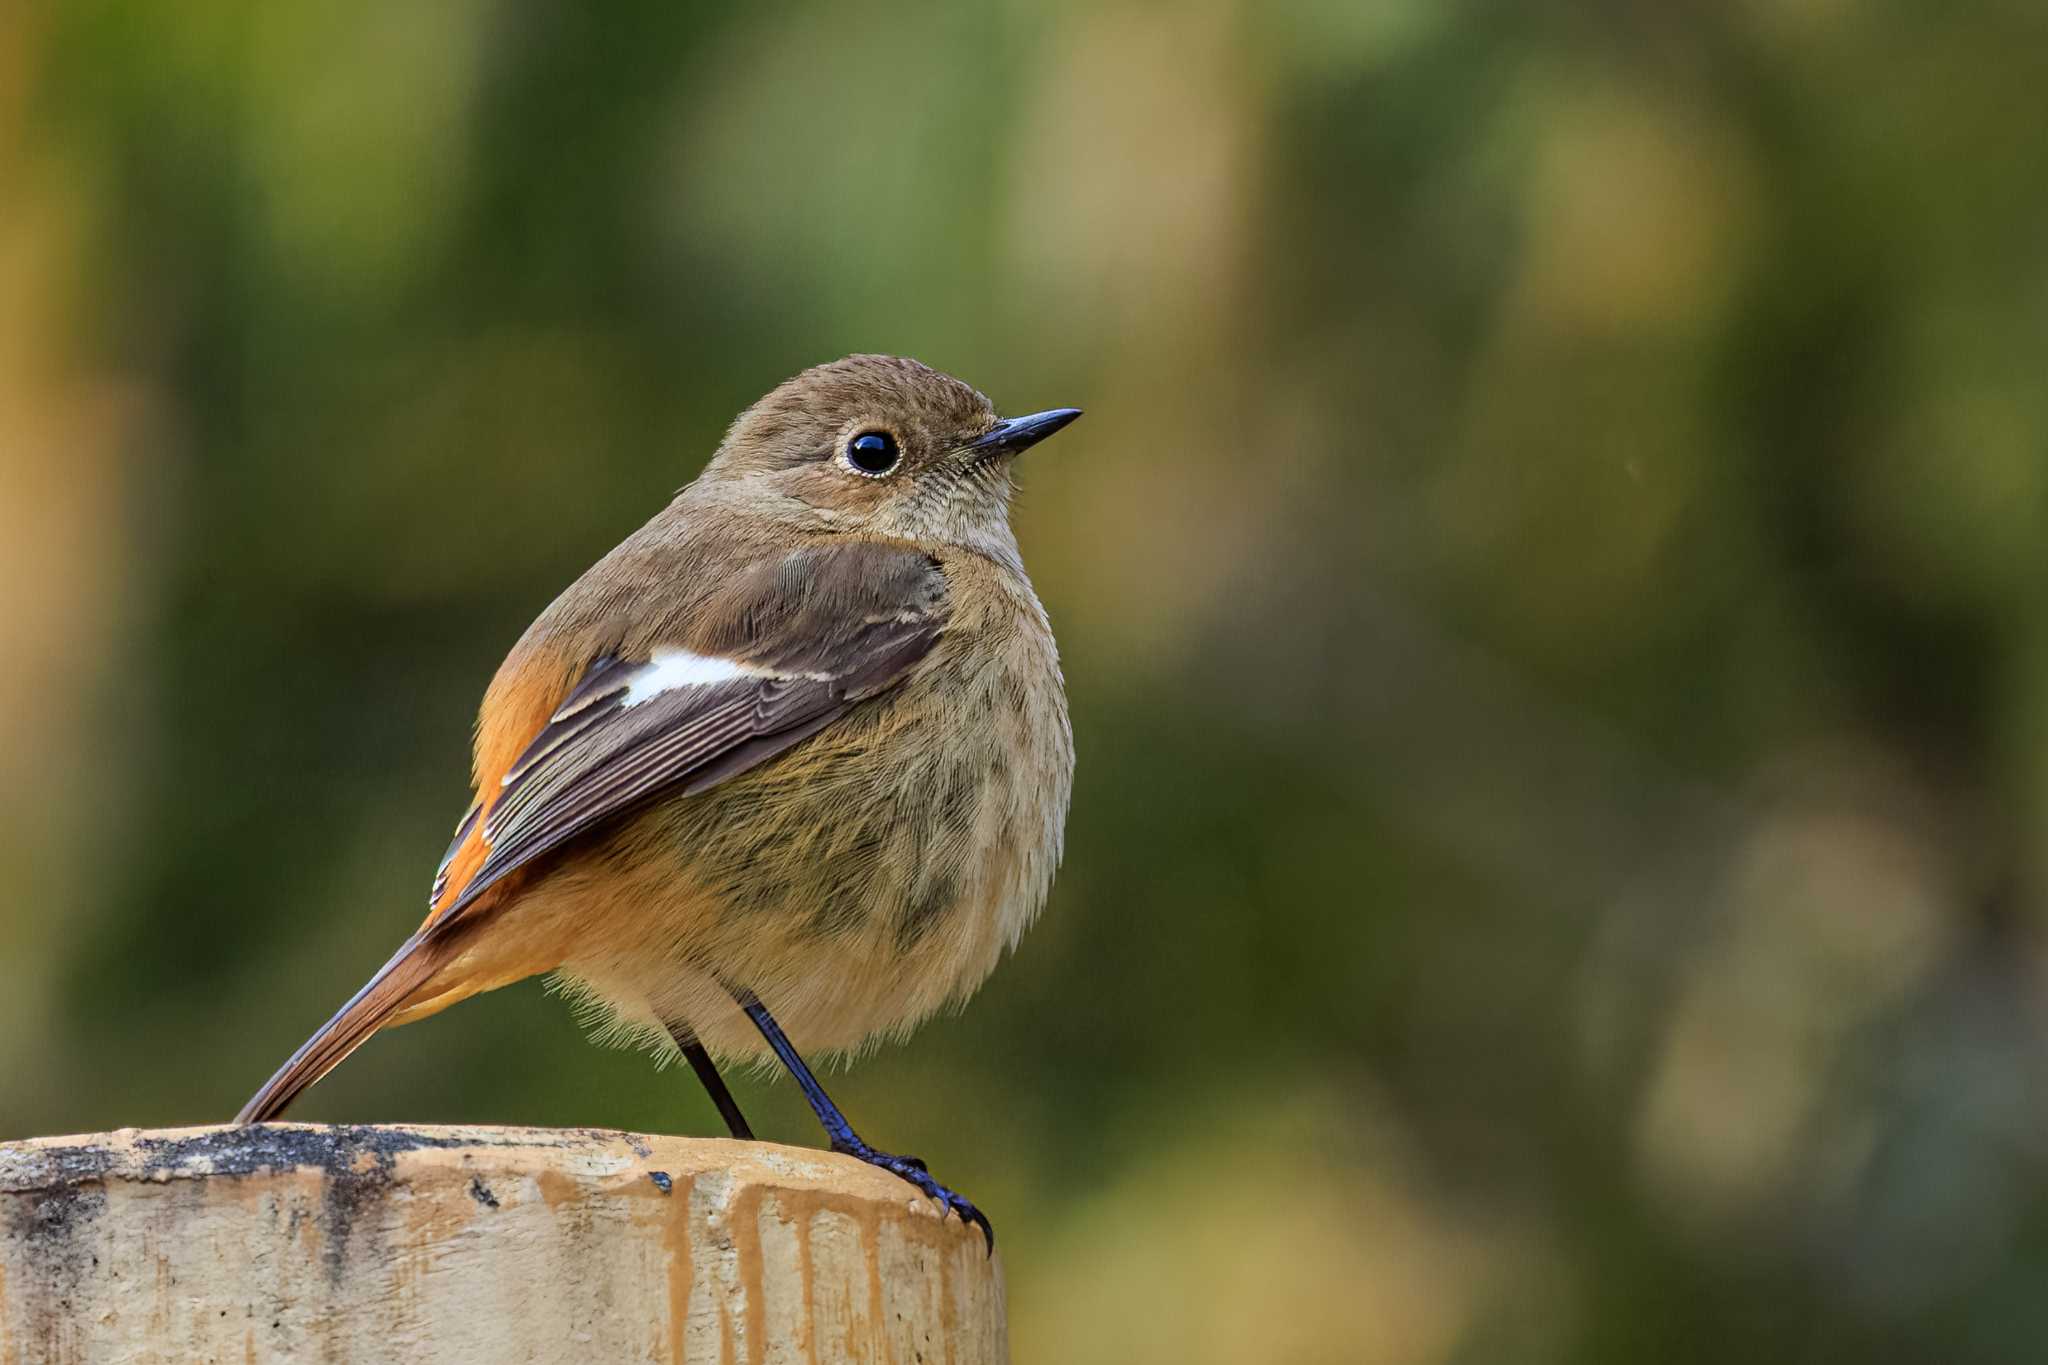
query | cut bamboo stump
(297,1242)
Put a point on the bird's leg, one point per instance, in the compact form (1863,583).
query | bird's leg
(700,1062)
(841,1133)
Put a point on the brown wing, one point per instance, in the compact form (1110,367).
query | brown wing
(779,653)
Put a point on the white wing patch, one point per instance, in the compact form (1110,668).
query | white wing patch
(669,669)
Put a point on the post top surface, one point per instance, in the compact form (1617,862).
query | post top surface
(404,1152)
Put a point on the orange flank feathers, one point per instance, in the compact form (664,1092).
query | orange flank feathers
(520,702)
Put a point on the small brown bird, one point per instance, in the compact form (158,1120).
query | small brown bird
(790,765)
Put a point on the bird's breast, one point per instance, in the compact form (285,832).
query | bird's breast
(876,872)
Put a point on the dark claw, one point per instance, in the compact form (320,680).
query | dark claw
(913,1170)
(980,1220)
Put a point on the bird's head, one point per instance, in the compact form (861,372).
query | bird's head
(882,445)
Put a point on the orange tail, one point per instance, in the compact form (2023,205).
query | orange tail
(410,968)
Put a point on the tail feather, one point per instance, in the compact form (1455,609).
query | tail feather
(410,968)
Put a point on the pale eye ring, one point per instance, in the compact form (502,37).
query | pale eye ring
(871,454)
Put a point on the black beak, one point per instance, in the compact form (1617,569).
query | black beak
(1013,434)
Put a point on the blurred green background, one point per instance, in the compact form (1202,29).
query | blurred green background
(1552,586)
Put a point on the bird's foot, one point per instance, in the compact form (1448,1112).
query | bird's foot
(912,1169)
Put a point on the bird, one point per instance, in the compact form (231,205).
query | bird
(789,766)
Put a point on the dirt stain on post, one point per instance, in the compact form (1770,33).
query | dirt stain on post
(50,1225)
(675,1240)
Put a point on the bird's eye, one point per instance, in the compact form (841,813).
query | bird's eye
(872,453)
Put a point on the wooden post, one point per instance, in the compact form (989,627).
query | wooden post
(298,1242)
